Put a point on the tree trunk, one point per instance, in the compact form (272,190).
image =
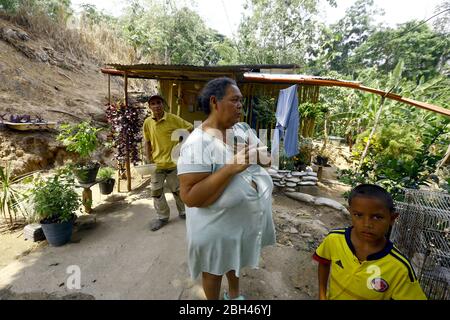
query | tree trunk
(375,124)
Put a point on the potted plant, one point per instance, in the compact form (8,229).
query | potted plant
(82,139)
(55,202)
(107,181)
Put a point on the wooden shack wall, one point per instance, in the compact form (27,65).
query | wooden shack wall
(190,91)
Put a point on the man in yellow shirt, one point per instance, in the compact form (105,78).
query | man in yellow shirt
(359,262)
(158,131)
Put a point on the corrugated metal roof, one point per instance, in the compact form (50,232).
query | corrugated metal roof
(227,68)
(197,73)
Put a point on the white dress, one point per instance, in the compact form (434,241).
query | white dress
(229,234)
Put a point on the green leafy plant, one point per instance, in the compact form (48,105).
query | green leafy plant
(305,151)
(55,198)
(323,151)
(265,111)
(13,195)
(287,163)
(105,173)
(79,138)
(309,114)
(400,156)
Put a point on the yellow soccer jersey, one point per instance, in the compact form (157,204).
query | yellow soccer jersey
(385,275)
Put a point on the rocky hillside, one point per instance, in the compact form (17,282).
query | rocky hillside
(38,80)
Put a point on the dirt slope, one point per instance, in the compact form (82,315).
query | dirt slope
(37,80)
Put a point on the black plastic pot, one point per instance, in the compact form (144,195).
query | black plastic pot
(57,234)
(321,161)
(87,175)
(107,186)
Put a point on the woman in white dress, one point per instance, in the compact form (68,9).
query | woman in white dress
(228,196)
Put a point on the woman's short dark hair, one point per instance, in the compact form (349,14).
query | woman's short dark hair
(373,191)
(216,87)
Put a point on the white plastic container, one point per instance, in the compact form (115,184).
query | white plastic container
(145,169)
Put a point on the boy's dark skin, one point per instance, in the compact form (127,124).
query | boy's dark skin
(371,220)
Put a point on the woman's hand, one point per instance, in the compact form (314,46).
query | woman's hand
(240,161)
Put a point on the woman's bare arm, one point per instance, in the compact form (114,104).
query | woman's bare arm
(203,189)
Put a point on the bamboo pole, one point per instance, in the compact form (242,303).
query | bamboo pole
(170,97)
(127,156)
(109,89)
(179,100)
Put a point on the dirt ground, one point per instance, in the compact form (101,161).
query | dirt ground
(121,248)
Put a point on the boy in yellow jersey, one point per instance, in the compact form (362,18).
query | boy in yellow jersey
(359,262)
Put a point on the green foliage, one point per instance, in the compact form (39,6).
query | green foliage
(441,23)
(79,138)
(277,31)
(286,163)
(55,198)
(55,9)
(265,110)
(13,195)
(340,40)
(423,51)
(105,173)
(400,156)
(163,33)
(309,114)
(91,15)
(305,152)
(9,5)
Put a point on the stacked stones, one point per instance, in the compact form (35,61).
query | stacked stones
(289,181)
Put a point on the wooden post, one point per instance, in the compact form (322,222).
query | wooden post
(128,173)
(118,176)
(127,156)
(87,200)
(179,100)
(109,88)
(170,97)
(319,173)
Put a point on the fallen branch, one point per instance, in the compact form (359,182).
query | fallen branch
(68,113)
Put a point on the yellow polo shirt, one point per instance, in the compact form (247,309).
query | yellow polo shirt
(159,133)
(385,275)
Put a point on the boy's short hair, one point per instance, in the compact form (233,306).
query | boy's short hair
(373,191)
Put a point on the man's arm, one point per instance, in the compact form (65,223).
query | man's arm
(324,272)
(183,124)
(148,151)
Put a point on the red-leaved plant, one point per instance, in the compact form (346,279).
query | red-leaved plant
(126,134)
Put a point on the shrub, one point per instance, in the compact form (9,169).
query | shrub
(55,198)
(79,138)
(105,173)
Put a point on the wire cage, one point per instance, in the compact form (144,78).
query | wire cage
(422,233)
